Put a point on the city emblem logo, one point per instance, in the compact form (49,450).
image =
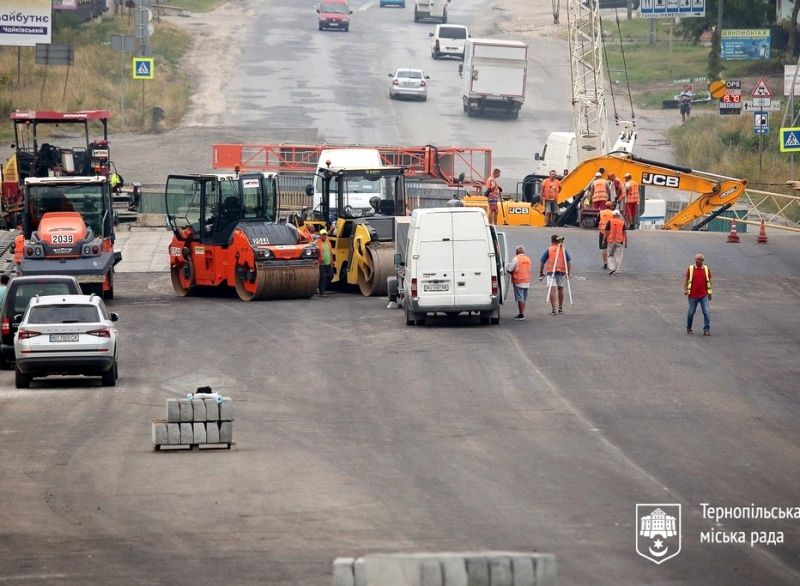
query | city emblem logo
(658,531)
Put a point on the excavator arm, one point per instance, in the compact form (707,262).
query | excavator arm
(714,192)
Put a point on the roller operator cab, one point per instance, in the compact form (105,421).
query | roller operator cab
(225,234)
(431,9)
(453,262)
(68,228)
(334,14)
(359,189)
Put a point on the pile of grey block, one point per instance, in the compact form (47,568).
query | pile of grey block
(494,568)
(199,419)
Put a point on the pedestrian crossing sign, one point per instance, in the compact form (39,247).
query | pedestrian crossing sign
(143,68)
(790,140)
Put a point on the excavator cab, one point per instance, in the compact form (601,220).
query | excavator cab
(363,238)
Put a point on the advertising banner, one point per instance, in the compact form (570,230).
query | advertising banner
(745,44)
(25,23)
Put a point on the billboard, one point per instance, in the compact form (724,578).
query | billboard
(745,44)
(25,23)
(672,8)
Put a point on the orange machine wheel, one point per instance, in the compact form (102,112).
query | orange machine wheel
(183,278)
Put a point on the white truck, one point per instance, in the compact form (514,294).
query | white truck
(451,261)
(431,9)
(494,76)
(358,191)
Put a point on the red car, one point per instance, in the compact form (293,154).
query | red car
(334,14)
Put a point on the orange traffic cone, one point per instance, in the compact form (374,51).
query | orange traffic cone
(762,234)
(733,236)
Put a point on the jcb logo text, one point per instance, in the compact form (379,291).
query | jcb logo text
(523,211)
(661,180)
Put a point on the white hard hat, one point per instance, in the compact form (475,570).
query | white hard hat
(598,174)
(616,213)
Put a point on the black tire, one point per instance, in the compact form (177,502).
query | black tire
(444,18)
(5,365)
(495,319)
(424,98)
(109,377)
(320,27)
(416,15)
(434,55)
(514,114)
(347,29)
(464,106)
(21,380)
(110,294)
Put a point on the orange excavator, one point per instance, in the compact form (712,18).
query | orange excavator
(225,234)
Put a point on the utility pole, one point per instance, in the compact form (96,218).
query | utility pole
(720,4)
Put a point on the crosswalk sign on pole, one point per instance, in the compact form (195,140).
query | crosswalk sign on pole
(790,140)
(143,68)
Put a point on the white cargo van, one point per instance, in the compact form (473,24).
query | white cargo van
(434,9)
(453,262)
(448,40)
(357,191)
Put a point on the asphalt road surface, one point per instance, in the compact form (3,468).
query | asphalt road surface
(357,434)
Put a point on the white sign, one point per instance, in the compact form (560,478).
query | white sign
(26,23)
(761,122)
(788,75)
(770,106)
(761,101)
(761,90)
(672,8)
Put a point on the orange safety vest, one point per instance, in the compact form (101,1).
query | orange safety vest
(605,216)
(493,190)
(632,192)
(522,272)
(550,189)
(615,232)
(599,190)
(553,252)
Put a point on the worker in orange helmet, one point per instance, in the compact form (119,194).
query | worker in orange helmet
(602,220)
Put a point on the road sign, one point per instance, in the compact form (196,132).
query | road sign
(770,105)
(672,8)
(143,68)
(122,43)
(761,101)
(52,54)
(717,89)
(730,104)
(790,140)
(761,122)
(761,90)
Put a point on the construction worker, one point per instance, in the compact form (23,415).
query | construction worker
(616,239)
(520,270)
(116,182)
(492,193)
(697,286)
(599,191)
(325,261)
(557,264)
(616,193)
(307,231)
(551,187)
(685,102)
(602,220)
(4,279)
(631,201)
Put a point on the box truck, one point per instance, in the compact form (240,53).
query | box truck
(494,75)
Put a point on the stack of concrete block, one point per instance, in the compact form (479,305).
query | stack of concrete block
(447,569)
(196,420)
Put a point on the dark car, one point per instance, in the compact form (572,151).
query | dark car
(18,295)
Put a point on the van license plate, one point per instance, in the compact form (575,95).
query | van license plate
(436,287)
(64,337)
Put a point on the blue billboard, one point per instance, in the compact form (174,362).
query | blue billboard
(745,44)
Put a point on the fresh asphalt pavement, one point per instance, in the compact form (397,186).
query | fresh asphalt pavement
(355,433)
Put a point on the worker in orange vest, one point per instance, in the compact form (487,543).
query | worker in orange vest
(551,187)
(602,220)
(557,264)
(520,270)
(307,231)
(616,238)
(492,193)
(325,262)
(697,286)
(599,191)
(631,201)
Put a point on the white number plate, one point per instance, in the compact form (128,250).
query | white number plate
(62,239)
(436,287)
(64,337)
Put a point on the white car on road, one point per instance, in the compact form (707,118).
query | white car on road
(448,40)
(410,83)
(66,334)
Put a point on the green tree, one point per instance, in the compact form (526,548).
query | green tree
(736,14)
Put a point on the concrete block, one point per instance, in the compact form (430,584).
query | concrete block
(186,410)
(212,410)
(187,433)
(160,436)
(212,432)
(546,574)
(343,572)
(199,432)
(478,572)
(173,411)
(524,572)
(198,410)
(500,572)
(430,573)
(226,409)
(174,434)
(226,432)
(359,572)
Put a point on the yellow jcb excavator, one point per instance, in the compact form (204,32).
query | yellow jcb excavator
(715,193)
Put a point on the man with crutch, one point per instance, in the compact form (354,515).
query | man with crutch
(557,264)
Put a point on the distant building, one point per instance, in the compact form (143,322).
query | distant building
(784,10)
(658,523)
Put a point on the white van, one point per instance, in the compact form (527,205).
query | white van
(357,191)
(448,40)
(453,262)
(435,9)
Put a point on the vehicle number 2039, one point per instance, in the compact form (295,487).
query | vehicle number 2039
(62,239)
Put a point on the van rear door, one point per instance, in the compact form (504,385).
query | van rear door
(434,266)
(472,260)
(501,251)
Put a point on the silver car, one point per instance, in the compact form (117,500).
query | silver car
(409,83)
(66,334)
